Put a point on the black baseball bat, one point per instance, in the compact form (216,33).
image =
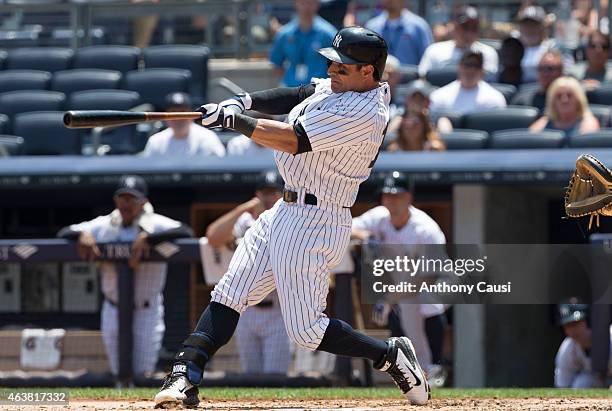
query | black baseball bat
(106,118)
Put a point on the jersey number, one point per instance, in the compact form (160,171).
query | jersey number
(379,147)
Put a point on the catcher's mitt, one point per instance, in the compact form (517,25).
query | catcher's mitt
(590,190)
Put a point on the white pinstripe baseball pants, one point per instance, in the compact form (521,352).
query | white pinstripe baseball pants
(290,248)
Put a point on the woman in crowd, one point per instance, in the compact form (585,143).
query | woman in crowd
(566,109)
(416,133)
(595,71)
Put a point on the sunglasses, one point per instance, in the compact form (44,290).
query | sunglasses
(599,46)
(548,69)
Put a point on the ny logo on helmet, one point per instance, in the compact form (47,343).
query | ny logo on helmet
(337,41)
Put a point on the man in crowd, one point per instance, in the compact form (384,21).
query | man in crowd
(294,51)
(183,138)
(532,28)
(261,336)
(396,221)
(573,364)
(407,34)
(469,93)
(465,38)
(549,69)
(135,221)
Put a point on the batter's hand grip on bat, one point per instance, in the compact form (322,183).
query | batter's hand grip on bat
(102,118)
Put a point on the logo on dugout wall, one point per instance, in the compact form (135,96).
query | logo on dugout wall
(25,251)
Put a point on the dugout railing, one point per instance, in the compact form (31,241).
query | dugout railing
(34,251)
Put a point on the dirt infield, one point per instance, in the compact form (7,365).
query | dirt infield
(485,404)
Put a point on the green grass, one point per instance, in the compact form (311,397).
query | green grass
(329,393)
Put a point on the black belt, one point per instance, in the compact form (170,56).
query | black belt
(265,304)
(292,197)
(145,304)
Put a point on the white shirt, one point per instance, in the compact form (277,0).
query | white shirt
(455,98)
(199,142)
(446,53)
(345,131)
(244,146)
(150,277)
(531,59)
(420,229)
(571,361)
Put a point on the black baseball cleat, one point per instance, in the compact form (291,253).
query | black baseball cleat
(401,364)
(177,390)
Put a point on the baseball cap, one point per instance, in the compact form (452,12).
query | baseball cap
(178,99)
(533,13)
(270,179)
(132,184)
(572,311)
(472,58)
(420,86)
(465,14)
(396,183)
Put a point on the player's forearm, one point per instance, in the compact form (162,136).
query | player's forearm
(181,231)
(220,231)
(69,233)
(276,135)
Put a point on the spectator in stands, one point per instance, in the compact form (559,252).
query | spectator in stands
(262,340)
(511,54)
(334,11)
(465,36)
(567,109)
(595,71)
(294,51)
(133,220)
(532,28)
(418,95)
(549,69)
(469,93)
(573,368)
(183,138)
(144,26)
(416,133)
(407,34)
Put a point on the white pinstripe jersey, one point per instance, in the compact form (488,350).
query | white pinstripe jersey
(345,131)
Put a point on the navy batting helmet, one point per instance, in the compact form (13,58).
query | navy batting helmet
(396,183)
(572,312)
(358,45)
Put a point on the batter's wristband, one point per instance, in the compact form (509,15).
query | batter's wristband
(244,124)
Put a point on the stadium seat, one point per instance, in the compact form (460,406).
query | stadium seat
(523,139)
(12,80)
(165,80)
(103,100)
(189,57)
(15,102)
(44,133)
(602,113)
(508,90)
(40,58)
(463,139)
(4,123)
(601,138)
(13,145)
(441,76)
(501,119)
(3,55)
(408,72)
(120,58)
(70,81)
(455,118)
(601,95)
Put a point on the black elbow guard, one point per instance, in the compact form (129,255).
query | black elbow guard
(303,140)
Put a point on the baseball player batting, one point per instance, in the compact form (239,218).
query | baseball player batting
(327,147)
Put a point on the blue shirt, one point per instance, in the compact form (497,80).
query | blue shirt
(406,37)
(293,48)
